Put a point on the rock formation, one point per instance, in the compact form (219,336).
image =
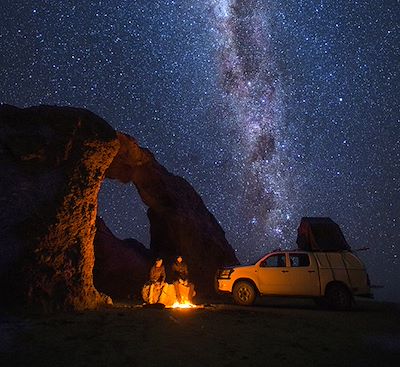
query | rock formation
(52,163)
(179,221)
(121,266)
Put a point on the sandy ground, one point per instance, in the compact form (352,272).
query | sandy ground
(273,333)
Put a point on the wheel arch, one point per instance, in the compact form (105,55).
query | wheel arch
(337,283)
(248,280)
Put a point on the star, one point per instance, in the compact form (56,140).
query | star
(271,110)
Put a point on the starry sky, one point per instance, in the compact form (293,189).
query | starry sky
(272,110)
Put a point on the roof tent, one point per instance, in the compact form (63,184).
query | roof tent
(320,234)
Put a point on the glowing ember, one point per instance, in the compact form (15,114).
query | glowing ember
(183,305)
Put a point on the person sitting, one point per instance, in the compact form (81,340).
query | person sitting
(157,280)
(180,277)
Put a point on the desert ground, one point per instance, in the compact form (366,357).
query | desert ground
(275,332)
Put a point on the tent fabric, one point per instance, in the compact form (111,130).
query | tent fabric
(320,234)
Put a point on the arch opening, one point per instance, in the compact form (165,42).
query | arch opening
(123,211)
(122,241)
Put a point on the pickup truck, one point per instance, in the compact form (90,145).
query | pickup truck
(331,278)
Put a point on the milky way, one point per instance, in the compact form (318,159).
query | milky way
(253,91)
(272,110)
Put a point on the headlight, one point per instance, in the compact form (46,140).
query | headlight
(225,273)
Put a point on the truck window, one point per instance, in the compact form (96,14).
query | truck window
(274,261)
(299,260)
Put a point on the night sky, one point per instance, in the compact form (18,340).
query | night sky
(272,110)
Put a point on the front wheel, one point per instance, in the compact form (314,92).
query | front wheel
(244,293)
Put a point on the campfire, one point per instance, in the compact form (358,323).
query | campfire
(167,296)
(183,305)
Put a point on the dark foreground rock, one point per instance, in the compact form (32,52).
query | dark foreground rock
(121,266)
(52,163)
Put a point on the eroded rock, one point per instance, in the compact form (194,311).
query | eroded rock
(52,162)
(179,221)
(121,266)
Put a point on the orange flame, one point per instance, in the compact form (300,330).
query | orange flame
(185,305)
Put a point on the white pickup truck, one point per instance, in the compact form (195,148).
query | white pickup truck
(331,278)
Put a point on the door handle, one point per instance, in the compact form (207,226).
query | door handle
(311,271)
(285,271)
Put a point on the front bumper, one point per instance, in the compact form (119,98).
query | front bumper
(223,285)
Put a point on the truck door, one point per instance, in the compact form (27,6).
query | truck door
(303,276)
(272,274)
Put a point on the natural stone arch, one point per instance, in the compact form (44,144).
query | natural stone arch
(53,160)
(179,221)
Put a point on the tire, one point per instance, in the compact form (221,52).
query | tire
(244,293)
(338,298)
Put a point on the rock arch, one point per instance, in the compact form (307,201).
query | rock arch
(179,221)
(53,160)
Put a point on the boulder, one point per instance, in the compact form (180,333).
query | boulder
(121,266)
(52,163)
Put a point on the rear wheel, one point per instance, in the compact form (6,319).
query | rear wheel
(338,297)
(244,293)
